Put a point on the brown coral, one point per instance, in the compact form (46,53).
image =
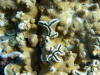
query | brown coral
(10,4)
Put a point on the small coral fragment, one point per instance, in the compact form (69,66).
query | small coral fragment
(8,4)
(19,14)
(33,40)
(24,25)
(3,21)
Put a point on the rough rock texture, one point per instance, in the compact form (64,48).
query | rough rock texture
(49,37)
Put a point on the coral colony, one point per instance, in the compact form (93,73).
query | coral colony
(49,37)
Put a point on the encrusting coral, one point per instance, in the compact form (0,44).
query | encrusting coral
(8,4)
(49,37)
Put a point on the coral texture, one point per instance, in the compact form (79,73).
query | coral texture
(49,37)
